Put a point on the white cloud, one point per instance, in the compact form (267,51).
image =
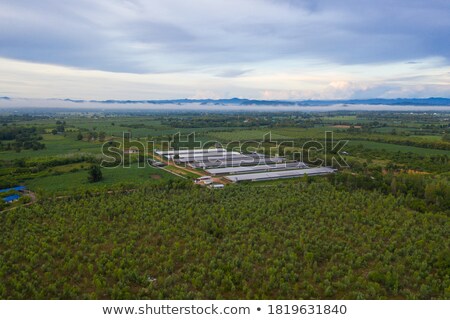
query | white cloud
(310,81)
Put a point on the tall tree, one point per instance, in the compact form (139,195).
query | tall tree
(95,173)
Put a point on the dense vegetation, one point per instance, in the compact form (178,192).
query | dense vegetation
(176,241)
(23,138)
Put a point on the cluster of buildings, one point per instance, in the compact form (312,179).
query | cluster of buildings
(216,158)
(237,167)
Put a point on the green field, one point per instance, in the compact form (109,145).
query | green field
(111,176)
(397,148)
(340,118)
(55,145)
(277,134)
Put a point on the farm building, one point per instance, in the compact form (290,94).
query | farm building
(172,154)
(216,186)
(19,188)
(262,176)
(233,163)
(155,163)
(257,168)
(206,158)
(206,180)
(11,198)
(235,166)
(213,156)
(209,156)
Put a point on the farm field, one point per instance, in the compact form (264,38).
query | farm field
(113,176)
(397,148)
(83,136)
(55,145)
(243,135)
(374,229)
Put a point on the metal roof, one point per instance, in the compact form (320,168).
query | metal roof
(184,151)
(18,188)
(280,174)
(231,163)
(11,198)
(214,156)
(258,168)
(216,186)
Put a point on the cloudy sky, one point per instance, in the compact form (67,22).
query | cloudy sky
(261,49)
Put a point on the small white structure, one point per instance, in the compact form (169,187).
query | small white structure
(216,186)
(132,150)
(172,154)
(204,180)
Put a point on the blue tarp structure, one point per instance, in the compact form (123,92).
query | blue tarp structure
(19,188)
(11,198)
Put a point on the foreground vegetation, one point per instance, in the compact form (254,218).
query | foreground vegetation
(175,241)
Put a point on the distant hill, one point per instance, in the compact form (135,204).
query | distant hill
(249,102)
(221,104)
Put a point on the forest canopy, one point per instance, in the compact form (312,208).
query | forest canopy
(176,241)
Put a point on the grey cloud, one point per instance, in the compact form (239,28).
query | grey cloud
(231,73)
(157,36)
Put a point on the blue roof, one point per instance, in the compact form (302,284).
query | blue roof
(11,198)
(19,188)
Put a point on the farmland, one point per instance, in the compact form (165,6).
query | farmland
(389,147)
(375,229)
(65,181)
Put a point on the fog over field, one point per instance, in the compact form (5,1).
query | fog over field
(24,105)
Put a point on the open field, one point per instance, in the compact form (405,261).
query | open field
(55,145)
(243,135)
(397,148)
(113,176)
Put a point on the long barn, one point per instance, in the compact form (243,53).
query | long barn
(280,174)
(257,168)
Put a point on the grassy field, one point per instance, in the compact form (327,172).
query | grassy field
(117,126)
(395,148)
(55,145)
(340,118)
(77,180)
(427,137)
(277,134)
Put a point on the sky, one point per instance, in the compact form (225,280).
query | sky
(257,49)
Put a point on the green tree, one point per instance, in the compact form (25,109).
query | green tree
(101,136)
(95,173)
(446,137)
